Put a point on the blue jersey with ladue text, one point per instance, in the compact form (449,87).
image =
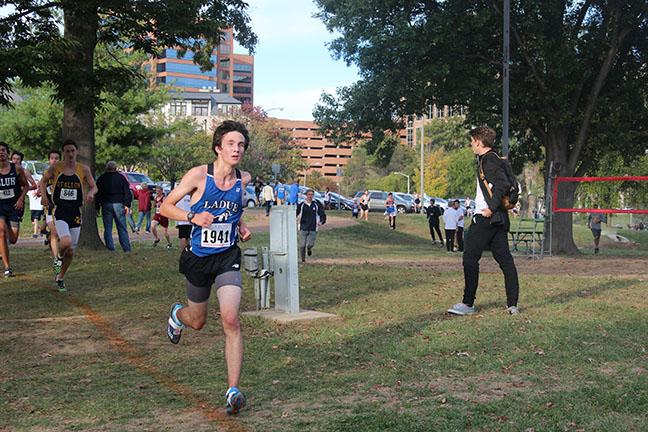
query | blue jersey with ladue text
(227,208)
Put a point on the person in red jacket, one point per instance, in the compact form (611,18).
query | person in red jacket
(143,197)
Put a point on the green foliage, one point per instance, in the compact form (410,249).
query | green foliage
(435,174)
(449,133)
(34,49)
(461,173)
(390,183)
(32,124)
(357,171)
(181,148)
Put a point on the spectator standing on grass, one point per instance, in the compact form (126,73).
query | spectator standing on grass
(417,203)
(184,226)
(355,208)
(433,213)
(364,205)
(267,193)
(490,225)
(144,198)
(280,192)
(312,216)
(293,193)
(115,198)
(159,219)
(594,224)
(450,217)
(327,199)
(460,214)
(36,210)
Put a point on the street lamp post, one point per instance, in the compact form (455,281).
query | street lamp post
(406,176)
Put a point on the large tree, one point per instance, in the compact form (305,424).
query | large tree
(578,75)
(33,49)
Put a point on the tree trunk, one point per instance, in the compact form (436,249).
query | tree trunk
(80,28)
(561,229)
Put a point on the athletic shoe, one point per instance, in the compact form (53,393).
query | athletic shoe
(513,310)
(595,250)
(235,400)
(34,235)
(8,272)
(169,246)
(58,262)
(174,329)
(61,286)
(155,242)
(462,309)
(309,251)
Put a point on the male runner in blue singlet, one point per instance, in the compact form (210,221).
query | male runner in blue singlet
(13,188)
(213,257)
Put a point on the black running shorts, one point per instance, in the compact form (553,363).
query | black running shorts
(202,271)
(184,231)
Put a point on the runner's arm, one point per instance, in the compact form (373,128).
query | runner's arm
(91,183)
(187,186)
(43,186)
(244,232)
(32,183)
(24,187)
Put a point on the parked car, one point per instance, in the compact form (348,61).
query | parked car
(36,168)
(443,203)
(340,202)
(409,199)
(378,198)
(136,179)
(249,197)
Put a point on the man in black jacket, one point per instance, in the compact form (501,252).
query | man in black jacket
(312,216)
(115,199)
(433,213)
(490,225)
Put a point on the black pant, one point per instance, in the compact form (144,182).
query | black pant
(479,236)
(268,204)
(450,233)
(460,242)
(434,226)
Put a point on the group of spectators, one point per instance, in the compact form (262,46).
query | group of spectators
(279,194)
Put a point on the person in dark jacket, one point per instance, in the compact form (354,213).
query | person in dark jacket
(433,213)
(312,216)
(490,225)
(115,198)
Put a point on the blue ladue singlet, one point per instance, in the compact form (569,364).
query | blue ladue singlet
(227,208)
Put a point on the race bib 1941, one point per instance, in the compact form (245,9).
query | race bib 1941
(218,235)
(7,194)
(69,194)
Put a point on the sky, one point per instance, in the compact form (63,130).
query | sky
(292,64)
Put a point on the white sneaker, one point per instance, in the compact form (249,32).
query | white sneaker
(513,310)
(462,309)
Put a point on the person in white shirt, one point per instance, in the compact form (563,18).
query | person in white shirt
(184,226)
(460,215)
(450,221)
(267,193)
(36,209)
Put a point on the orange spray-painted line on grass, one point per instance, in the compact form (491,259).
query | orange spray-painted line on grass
(135,358)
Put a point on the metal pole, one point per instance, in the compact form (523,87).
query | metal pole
(421,191)
(505,76)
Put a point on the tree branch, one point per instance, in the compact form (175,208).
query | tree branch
(534,71)
(29,11)
(590,106)
(580,18)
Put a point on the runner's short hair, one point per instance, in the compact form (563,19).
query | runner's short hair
(484,134)
(226,127)
(21,154)
(68,142)
(55,151)
(5,145)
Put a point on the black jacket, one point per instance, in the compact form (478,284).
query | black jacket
(113,188)
(308,221)
(495,175)
(433,213)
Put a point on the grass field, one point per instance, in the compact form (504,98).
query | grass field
(97,359)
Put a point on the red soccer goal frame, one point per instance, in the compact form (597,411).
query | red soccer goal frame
(559,180)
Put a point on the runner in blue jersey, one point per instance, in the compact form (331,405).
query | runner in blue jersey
(13,188)
(213,257)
